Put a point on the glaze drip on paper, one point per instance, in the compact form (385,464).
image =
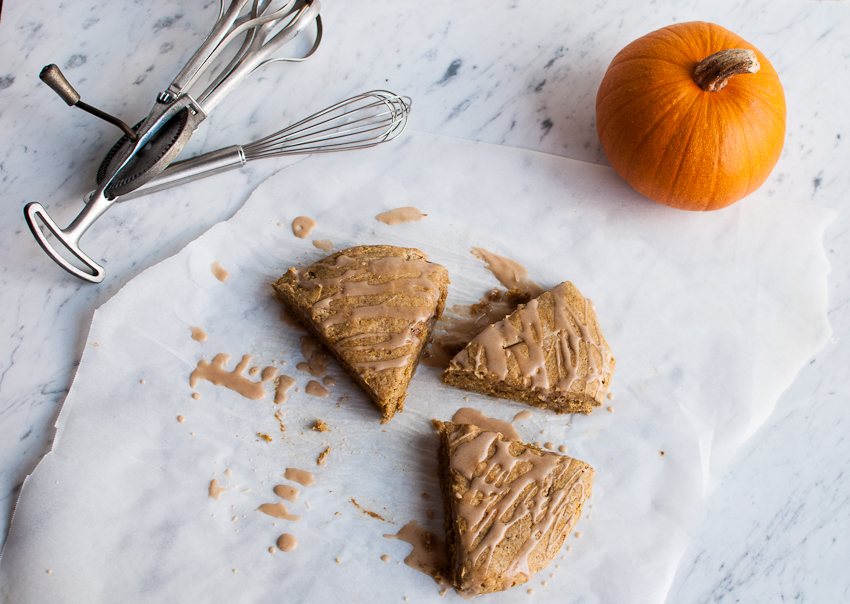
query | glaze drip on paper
(509,273)
(428,555)
(282,386)
(218,272)
(234,380)
(277,510)
(303,226)
(302,477)
(400,215)
(316,359)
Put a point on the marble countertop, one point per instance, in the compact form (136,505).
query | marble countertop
(515,73)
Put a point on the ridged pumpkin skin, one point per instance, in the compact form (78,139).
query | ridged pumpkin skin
(678,144)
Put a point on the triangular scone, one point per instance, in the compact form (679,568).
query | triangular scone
(373,307)
(508,506)
(549,353)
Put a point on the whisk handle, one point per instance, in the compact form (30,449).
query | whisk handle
(186,171)
(201,59)
(258,54)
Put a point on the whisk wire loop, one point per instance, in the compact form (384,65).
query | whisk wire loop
(359,122)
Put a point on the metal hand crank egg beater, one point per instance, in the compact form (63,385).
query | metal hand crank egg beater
(148,149)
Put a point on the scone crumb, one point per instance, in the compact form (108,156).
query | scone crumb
(322,460)
(265,437)
(321,426)
(365,511)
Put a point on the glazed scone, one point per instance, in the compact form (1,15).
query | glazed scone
(549,353)
(373,307)
(508,506)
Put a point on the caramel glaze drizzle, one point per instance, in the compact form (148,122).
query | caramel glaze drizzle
(492,505)
(429,552)
(234,380)
(573,332)
(391,276)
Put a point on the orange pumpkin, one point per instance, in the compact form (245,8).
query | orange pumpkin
(691,116)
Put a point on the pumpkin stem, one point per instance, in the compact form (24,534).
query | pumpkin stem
(713,73)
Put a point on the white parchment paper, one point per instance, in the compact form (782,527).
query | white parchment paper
(709,317)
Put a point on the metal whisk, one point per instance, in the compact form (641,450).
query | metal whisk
(361,121)
(145,151)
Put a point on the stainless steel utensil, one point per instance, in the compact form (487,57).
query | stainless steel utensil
(361,121)
(175,115)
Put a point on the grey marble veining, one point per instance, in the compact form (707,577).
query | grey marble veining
(777,525)
(516,73)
